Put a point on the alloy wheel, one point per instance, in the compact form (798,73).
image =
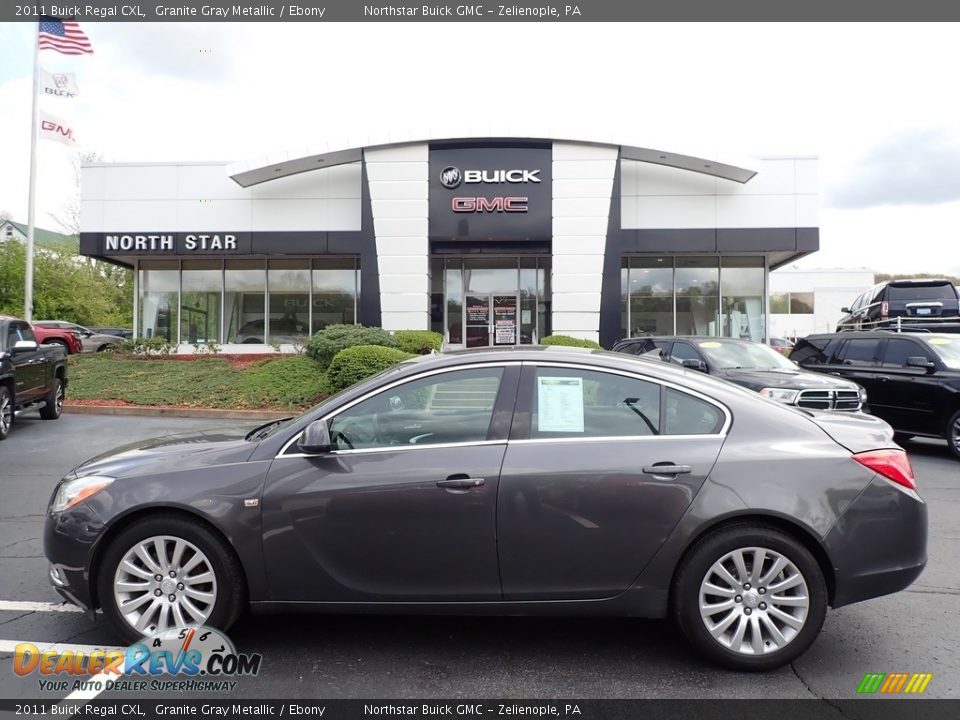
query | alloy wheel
(754,601)
(955,433)
(59,399)
(6,414)
(164,582)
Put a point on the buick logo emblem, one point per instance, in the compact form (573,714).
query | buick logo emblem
(451,177)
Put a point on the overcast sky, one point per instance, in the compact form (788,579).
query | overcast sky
(879,104)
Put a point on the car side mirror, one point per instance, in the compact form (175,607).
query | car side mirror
(315,438)
(22,346)
(845,310)
(87,333)
(694,364)
(920,362)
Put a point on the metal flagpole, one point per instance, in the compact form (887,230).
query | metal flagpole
(31,198)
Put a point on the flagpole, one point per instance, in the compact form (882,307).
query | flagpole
(32,193)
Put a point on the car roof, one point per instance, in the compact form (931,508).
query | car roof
(698,338)
(877,334)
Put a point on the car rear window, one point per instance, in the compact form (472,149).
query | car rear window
(938,291)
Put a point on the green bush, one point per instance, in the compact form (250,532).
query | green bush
(567,341)
(149,346)
(354,364)
(326,343)
(289,381)
(419,342)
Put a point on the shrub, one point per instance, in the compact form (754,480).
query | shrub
(326,343)
(567,341)
(149,346)
(354,364)
(289,381)
(419,342)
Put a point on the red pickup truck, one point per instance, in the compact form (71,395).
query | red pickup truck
(68,339)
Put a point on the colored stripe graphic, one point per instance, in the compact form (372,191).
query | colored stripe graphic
(894,683)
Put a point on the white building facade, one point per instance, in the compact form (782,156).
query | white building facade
(811,301)
(490,241)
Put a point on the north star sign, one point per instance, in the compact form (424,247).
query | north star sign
(211,242)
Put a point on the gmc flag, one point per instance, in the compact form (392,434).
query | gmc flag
(53,128)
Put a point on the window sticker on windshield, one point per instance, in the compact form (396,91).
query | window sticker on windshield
(560,404)
(709,344)
(938,341)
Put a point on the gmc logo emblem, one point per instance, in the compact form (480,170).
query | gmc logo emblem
(485,205)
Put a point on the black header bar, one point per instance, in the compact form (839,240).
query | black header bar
(518,11)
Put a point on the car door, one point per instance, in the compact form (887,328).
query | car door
(856,359)
(600,467)
(403,507)
(29,367)
(912,396)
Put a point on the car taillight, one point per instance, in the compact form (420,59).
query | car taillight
(884,309)
(892,464)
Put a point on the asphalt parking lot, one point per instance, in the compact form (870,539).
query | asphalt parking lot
(389,657)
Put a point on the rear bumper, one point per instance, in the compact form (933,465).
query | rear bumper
(879,545)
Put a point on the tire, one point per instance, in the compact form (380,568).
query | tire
(797,636)
(61,343)
(953,434)
(6,412)
(107,347)
(218,559)
(54,406)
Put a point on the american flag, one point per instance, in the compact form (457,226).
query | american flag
(64,36)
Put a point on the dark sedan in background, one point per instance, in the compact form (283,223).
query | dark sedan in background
(753,366)
(513,481)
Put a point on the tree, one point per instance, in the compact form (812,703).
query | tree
(69,217)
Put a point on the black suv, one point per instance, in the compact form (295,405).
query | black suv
(752,365)
(912,379)
(923,303)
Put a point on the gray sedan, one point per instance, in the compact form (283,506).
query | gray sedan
(92,341)
(517,481)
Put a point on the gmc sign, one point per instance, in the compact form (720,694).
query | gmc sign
(494,204)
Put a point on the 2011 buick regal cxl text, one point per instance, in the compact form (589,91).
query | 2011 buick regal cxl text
(534,481)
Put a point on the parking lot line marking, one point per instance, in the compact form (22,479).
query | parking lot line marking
(9,646)
(27,606)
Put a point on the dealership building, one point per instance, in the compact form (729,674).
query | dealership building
(487,240)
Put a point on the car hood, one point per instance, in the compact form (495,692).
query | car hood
(197,448)
(788,379)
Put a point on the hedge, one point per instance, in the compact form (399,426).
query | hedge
(354,364)
(567,341)
(291,381)
(326,343)
(419,342)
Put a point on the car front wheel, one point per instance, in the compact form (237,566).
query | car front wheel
(54,401)
(6,412)
(750,597)
(169,572)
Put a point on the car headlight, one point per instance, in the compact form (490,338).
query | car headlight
(863,395)
(788,397)
(71,492)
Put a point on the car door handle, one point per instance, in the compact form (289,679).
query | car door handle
(883,378)
(666,469)
(459,482)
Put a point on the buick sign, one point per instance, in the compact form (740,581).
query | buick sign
(451,177)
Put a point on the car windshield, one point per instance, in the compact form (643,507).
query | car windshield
(948,349)
(743,355)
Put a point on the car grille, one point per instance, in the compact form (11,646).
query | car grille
(848,400)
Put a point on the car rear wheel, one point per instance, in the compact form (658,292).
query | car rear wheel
(54,406)
(6,412)
(169,572)
(953,434)
(750,597)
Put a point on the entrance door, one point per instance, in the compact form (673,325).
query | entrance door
(491,320)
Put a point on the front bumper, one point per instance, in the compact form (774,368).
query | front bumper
(879,545)
(69,541)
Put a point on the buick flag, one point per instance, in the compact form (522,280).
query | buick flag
(53,128)
(61,85)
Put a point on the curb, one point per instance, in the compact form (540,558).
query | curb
(146,411)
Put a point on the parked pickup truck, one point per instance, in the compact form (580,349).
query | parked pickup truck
(32,376)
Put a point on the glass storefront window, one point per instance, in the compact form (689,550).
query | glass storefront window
(288,288)
(335,291)
(201,287)
(454,291)
(742,293)
(697,287)
(159,284)
(244,301)
(651,296)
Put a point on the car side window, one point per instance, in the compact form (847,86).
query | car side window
(450,407)
(683,351)
(857,352)
(12,336)
(810,351)
(689,415)
(899,349)
(26,333)
(570,402)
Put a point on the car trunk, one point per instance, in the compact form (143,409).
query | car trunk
(856,432)
(922,300)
